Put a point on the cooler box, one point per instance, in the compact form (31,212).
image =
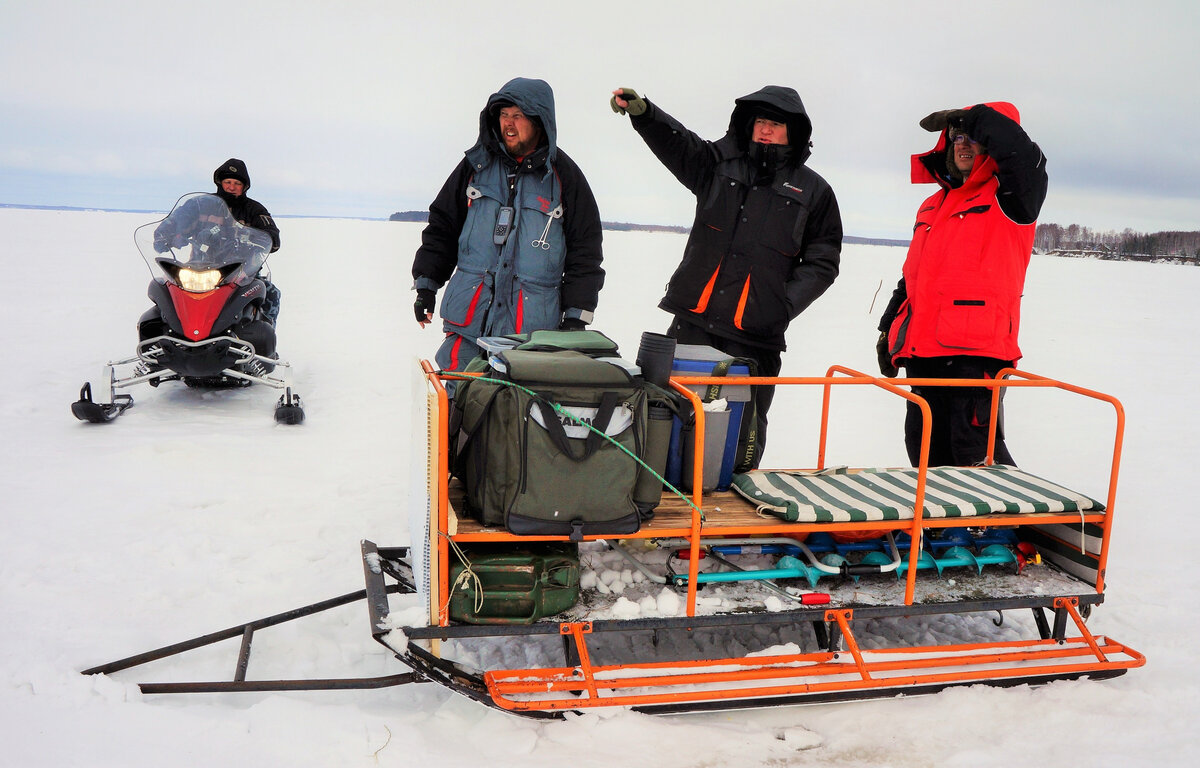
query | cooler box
(720,431)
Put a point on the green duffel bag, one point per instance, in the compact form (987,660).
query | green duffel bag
(533,469)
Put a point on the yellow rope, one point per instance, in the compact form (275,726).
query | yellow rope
(465,579)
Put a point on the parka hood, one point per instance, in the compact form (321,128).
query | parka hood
(232,169)
(535,98)
(779,99)
(931,167)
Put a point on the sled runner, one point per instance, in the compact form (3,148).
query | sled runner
(773,593)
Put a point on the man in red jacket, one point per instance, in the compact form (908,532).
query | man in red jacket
(956,311)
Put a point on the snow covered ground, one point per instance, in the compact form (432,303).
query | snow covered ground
(194,512)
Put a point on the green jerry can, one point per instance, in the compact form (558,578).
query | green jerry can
(513,584)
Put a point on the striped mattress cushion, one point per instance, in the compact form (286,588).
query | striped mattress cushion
(838,495)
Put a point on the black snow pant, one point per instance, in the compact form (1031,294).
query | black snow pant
(768,361)
(960,414)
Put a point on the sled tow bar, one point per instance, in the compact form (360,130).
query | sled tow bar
(246,632)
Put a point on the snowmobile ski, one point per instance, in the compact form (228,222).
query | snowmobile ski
(86,409)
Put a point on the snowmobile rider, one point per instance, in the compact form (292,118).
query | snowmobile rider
(232,180)
(515,231)
(767,237)
(956,311)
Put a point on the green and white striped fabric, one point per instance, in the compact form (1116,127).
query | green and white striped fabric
(837,495)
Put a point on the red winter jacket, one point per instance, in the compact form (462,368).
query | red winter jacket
(965,269)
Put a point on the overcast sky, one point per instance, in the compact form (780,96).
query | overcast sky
(362,108)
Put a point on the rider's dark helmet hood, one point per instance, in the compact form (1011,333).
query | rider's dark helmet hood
(232,169)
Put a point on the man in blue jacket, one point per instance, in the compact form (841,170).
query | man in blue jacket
(514,234)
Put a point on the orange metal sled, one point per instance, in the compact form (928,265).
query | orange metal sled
(841,668)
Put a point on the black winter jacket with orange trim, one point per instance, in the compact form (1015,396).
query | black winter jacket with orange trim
(766,241)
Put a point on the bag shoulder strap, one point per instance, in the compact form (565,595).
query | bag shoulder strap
(722,369)
(558,435)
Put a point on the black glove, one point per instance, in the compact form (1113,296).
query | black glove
(938,121)
(886,366)
(423,306)
(637,105)
(571,324)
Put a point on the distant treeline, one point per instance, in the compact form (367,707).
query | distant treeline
(624,226)
(1073,240)
(1136,246)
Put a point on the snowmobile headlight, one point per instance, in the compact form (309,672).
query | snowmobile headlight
(199,281)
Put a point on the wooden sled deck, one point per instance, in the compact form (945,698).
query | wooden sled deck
(1075,543)
(726,513)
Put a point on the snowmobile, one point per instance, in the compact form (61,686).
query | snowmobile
(207,327)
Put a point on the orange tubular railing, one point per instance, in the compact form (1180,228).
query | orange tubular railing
(697,493)
(836,375)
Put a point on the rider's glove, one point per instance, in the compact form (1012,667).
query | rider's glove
(571,324)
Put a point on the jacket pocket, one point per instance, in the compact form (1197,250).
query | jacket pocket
(783,230)
(538,306)
(967,320)
(467,301)
(762,304)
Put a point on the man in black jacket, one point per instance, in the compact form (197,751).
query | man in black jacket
(514,234)
(232,180)
(767,237)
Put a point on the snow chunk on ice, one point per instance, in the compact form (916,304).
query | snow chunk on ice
(626,609)
(800,738)
(668,602)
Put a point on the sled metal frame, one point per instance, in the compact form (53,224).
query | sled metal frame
(246,631)
(833,673)
(839,671)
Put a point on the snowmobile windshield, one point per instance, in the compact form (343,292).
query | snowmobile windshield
(200,237)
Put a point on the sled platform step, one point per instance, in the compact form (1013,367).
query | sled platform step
(806,677)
